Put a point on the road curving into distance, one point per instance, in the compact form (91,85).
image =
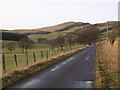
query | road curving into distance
(78,71)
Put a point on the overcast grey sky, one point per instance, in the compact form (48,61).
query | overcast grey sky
(26,14)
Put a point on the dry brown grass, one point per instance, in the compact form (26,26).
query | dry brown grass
(74,28)
(56,27)
(103,27)
(111,54)
(107,65)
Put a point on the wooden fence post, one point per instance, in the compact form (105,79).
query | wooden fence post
(41,54)
(58,51)
(27,58)
(52,53)
(34,57)
(15,56)
(3,63)
(68,49)
(47,54)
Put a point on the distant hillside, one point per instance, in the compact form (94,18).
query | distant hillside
(56,27)
(51,31)
(48,29)
(106,25)
(72,26)
(67,26)
(54,31)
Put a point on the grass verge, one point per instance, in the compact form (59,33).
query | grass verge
(20,74)
(106,76)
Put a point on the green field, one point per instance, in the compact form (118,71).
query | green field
(48,36)
(10,64)
(35,48)
(22,58)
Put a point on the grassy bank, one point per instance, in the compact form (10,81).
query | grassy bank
(107,66)
(20,74)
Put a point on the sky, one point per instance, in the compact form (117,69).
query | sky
(30,14)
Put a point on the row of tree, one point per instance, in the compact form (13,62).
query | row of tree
(12,36)
(24,43)
(88,36)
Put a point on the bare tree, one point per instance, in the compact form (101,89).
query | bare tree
(43,40)
(52,43)
(60,41)
(25,43)
(90,35)
(70,39)
(11,46)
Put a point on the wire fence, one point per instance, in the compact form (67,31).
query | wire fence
(12,61)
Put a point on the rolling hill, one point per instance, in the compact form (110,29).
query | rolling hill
(54,31)
(60,27)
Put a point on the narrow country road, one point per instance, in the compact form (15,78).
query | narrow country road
(78,71)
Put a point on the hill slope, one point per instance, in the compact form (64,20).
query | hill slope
(54,31)
(60,27)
